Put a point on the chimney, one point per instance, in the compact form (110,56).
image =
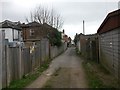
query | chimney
(119,5)
(63,31)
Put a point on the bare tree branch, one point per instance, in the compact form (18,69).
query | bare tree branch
(45,15)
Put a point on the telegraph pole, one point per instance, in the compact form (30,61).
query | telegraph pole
(83,27)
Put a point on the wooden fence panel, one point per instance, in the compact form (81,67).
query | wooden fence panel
(26,60)
(14,62)
(18,61)
(43,50)
(37,57)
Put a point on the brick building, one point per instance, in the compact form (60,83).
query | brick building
(34,31)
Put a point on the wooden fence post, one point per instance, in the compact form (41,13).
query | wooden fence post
(2,38)
(0,60)
(20,63)
(8,65)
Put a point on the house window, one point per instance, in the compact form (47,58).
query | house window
(21,33)
(31,32)
(15,35)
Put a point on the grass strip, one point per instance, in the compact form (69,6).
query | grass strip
(26,80)
(98,76)
(93,80)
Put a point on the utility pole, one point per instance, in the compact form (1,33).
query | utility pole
(83,27)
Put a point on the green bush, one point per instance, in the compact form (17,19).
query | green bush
(55,38)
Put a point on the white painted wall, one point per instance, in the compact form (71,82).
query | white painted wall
(9,34)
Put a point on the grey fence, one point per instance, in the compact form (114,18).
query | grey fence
(19,61)
(110,51)
(55,51)
(26,62)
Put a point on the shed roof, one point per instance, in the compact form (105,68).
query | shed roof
(111,22)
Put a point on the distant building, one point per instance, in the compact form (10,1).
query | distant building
(109,43)
(12,31)
(69,39)
(35,31)
(64,36)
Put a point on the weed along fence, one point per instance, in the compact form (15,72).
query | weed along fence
(15,62)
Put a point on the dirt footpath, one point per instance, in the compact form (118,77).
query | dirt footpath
(65,71)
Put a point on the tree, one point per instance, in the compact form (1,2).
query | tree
(45,15)
(55,38)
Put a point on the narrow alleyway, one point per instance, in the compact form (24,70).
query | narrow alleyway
(65,71)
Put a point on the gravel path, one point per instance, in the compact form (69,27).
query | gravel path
(70,73)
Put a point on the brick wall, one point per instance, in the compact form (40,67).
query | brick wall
(39,32)
(109,51)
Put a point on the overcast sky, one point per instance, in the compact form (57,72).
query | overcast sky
(93,12)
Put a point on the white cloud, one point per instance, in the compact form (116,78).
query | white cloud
(90,28)
(0,11)
(73,12)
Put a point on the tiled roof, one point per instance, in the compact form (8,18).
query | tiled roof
(111,22)
(9,24)
(31,24)
(34,24)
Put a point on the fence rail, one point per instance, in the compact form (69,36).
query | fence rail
(20,61)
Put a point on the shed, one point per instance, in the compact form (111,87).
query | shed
(109,43)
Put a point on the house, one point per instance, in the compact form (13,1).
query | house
(65,39)
(35,31)
(109,43)
(31,31)
(12,31)
(64,36)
